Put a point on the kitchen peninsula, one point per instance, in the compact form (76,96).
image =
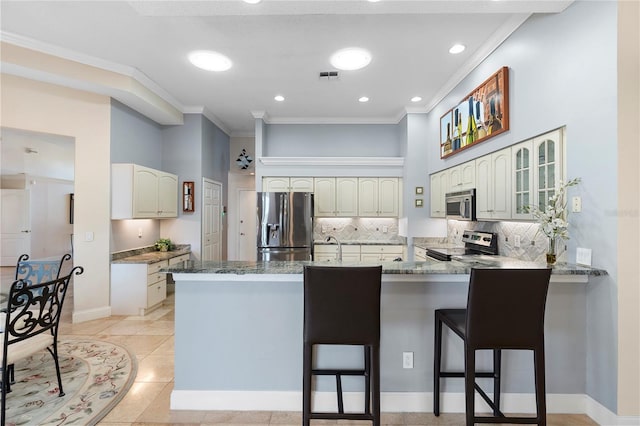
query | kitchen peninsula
(239,336)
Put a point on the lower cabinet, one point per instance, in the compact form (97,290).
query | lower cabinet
(139,288)
(382,253)
(327,253)
(357,253)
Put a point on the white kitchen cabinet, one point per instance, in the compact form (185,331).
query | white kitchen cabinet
(329,252)
(137,288)
(439,187)
(419,254)
(378,197)
(139,192)
(335,197)
(462,176)
(522,188)
(537,170)
(287,184)
(547,160)
(380,253)
(493,186)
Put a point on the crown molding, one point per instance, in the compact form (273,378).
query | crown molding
(71,55)
(491,44)
(210,115)
(331,120)
(333,161)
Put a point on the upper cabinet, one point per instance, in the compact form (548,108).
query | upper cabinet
(493,186)
(509,182)
(439,187)
(462,177)
(335,197)
(378,197)
(139,192)
(286,184)
(536,170)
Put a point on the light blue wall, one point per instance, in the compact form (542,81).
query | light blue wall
(215,165)
(332,140)
(215,152)
(134,138)
(563,73)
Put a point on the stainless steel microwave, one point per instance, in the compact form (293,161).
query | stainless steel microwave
(461,205)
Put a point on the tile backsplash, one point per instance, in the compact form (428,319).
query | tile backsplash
(356,229)
(533,244)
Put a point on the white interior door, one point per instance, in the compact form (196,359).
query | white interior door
(211,220)
(15,228)
(246,237)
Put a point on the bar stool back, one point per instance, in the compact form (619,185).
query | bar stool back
(505,310)
(342,307)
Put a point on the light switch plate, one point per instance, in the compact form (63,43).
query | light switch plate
(583,256)
(576,204)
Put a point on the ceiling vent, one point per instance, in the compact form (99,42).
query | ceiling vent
(328,75)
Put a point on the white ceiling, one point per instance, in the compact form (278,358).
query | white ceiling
(280,47)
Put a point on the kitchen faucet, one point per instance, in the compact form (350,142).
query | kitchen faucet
(339,246)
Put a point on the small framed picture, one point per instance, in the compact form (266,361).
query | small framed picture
(419,190)
(418,202)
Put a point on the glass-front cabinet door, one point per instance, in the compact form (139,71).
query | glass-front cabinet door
(536,171)
(522,185)
(547,169)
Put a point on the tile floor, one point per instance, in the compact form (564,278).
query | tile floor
(151,338)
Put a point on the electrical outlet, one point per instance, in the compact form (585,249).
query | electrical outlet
(516,241)
(407,359)
(88,236)
(385,229)
(583,256)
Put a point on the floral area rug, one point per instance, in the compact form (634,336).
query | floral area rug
(95,377)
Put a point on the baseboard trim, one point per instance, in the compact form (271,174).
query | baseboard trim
(91,314)
(391,402)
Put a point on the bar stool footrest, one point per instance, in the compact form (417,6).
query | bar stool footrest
(484,374)
(508,420)
(336,372)
(341,416)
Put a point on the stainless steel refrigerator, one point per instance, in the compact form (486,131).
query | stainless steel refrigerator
(285,225)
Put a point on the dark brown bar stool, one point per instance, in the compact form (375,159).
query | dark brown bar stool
(505,310)
(342,307)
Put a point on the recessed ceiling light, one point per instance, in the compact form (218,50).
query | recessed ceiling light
(252,1)
(209,60)
(457,48)
(374,1)
(363,99)
(279,98)
(351,58)
(416,99)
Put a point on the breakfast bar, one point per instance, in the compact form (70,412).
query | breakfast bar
(238,337)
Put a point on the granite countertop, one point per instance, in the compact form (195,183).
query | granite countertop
(149,254)
(426,267)
(361,243)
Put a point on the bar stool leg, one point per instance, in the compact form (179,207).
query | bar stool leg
(306,384)
(497,368)
(541,404)
(469,382)
(437,364)
(367,379)
(375,384)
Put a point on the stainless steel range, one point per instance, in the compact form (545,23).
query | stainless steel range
(475,243)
